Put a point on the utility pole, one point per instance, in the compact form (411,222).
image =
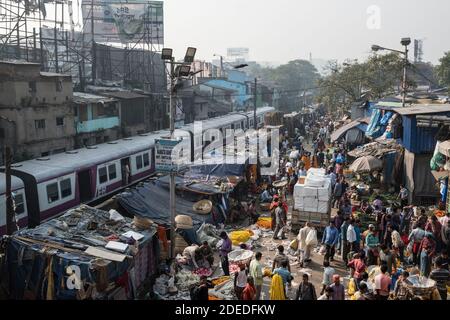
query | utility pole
(172,173)
(404,86)
(94,62)
(10,223)
(222,72)
(255,100)
(183,70)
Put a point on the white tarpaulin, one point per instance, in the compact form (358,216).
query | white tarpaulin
(444,148)
(367,163)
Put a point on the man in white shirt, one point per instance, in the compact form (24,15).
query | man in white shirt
(303,249)
(351,235)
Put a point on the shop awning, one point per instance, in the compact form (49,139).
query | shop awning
(336,135)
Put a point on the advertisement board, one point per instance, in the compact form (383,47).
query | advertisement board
(125,21)
(166,156)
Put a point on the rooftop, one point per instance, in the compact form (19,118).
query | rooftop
(125,95)
(54,74)
(19,62)
(82,97)
(414,109)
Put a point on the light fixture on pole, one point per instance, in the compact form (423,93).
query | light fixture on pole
(183,70)
(190,55)
(404,42)
(166,54)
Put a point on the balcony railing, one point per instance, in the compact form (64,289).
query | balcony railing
(97,124)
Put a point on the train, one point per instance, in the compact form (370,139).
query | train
(48,186)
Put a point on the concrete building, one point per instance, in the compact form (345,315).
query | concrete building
(36,117)
(96,119)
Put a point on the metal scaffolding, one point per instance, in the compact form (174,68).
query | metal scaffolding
(63,36)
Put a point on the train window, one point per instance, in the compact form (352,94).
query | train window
(66,188)
(52,192)
(112,171)
(102,175)
(146,159)
(19,203)
(139,162)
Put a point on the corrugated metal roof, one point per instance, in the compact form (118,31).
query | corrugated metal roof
(19,62)
(83,97)
(125,95)
(54,75)
(414,109)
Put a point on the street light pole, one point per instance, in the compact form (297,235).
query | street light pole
(404,86)
(405,42)
(183,70)
(255,98)
(172,173)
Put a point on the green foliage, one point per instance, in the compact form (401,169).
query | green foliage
(443,70)
(378,76)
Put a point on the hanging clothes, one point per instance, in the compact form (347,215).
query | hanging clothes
(163,237)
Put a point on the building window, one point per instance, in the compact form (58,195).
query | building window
(66,188)
(112,172)
(139,162)
(106,138)
(58,85)
(2,133)
(32,86)
(102,175)
(52,192)
(59,121)
(19,203)
(146,157)
(39,124)
(98,140)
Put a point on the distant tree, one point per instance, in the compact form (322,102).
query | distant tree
(292,80)
(379,75)
(443,70)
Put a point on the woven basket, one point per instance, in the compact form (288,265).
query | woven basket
(142,223)
(202,207)
(183,222)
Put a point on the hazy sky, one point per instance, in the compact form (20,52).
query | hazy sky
(282,30)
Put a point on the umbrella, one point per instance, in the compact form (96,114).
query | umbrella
(367,163)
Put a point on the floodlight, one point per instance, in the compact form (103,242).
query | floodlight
(406,41)
(166,54)
(190,54)
(376,48)
(183,70)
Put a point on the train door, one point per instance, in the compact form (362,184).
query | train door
(84,185)
(126,171)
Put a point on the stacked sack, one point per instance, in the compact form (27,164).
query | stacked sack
(315,194)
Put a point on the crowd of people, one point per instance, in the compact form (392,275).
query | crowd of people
(401,238)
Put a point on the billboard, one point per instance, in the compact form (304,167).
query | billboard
(238,53)
(128,21)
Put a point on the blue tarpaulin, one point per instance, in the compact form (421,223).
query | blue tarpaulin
(61,242)
(151,200)
(218,170)
(378,123)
